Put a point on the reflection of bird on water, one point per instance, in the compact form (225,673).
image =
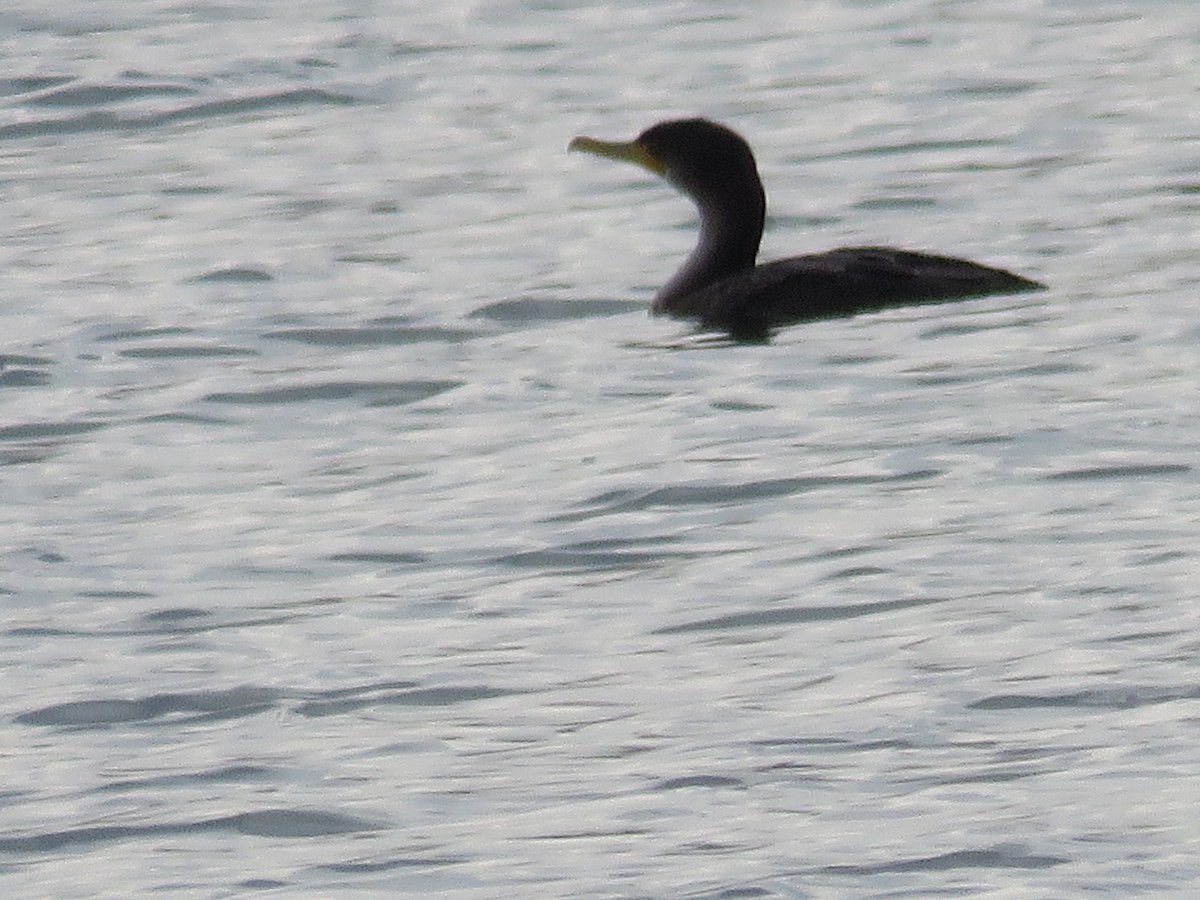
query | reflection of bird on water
(720,285)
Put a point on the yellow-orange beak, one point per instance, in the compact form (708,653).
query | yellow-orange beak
(626,151)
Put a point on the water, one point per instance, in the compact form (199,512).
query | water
(362,535)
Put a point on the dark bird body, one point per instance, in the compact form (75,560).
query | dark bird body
(721,287)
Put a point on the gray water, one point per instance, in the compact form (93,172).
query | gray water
(362,535)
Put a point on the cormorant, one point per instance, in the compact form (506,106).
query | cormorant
(721,286)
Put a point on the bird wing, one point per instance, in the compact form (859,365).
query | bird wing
(840,283)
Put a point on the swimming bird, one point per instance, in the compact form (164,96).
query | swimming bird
(720,286)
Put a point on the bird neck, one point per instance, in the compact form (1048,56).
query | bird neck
(730,232)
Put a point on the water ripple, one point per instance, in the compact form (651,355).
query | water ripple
(996,858)
(1111,698)
(791,615)
(597,556)
(373,393)
(236,703)
(100,94)
(13,86)
(183,351)
(718,494)
(385,335)
(233,275)
(23,371)
(528,310)
(198,706)
(387,865)
(235,774)
(36,431)
(699,781)
(435,696)
(273,823)
(1128,470)
(105,120)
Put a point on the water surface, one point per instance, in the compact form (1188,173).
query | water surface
(363,535)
